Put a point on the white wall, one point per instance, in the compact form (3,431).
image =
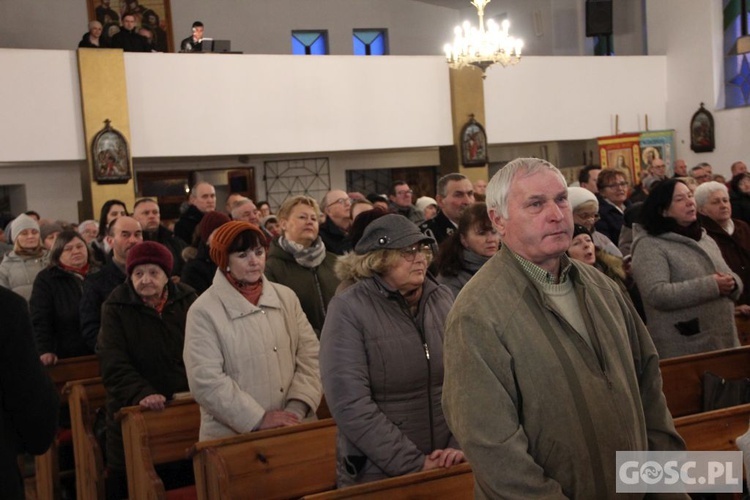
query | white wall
(300,104)
(41,106)
(52,189)
(693,47)
(566,98)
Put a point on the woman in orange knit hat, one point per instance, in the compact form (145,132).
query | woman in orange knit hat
(250,353)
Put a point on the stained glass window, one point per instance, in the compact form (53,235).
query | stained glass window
(736,67)
(370,42)
(310,42)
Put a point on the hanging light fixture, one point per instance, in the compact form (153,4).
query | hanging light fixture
(482,47)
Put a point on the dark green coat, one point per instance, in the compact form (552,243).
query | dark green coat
(314,287)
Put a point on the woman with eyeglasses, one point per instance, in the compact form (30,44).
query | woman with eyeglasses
(251,355)
(466,250)
(585,208)
(613,190)
(381,358)
(299,259)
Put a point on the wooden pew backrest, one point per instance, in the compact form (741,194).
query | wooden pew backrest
(277,463)
(683,376)
(152,438)
(47,465)
(714,430)
(456,483)
(84,398)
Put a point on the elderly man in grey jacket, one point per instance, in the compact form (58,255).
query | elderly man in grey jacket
(548,369)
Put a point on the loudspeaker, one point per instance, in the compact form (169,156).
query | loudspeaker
(598,17)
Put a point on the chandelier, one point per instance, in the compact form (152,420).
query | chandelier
(482,47)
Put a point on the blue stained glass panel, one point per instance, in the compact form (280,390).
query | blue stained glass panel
(736,67)
(309,43)
(369,42)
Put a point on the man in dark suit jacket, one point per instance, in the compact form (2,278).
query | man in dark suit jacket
(30,403)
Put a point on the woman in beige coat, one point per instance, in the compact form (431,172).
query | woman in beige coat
(250,353)
(20,267)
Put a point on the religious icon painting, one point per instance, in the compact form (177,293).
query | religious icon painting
(702,131)
(473,144)
(110,156)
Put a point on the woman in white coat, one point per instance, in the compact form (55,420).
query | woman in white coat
(250,353)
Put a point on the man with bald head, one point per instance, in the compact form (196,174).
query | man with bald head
(336,205)
(123,234)
(202,199)
(680,168)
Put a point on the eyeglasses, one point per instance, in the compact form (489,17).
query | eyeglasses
(595,216)
(622,184)
(410,253)
(343,201)
(402,193)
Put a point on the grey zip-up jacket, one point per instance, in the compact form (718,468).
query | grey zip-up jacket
(382,372)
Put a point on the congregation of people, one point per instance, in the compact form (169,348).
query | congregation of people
(401,311)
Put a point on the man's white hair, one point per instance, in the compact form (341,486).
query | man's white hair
(498,188)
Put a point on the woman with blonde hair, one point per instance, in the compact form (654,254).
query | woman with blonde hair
(298,259)
(381,358)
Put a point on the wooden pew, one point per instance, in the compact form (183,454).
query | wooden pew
(272,464)
(714,430)
(743,328)
(47,465)
(683,376)
(84,398)
(153,438)
(456,483)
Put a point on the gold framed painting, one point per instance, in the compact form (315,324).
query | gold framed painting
(154,15)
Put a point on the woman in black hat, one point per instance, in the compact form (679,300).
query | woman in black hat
(140,347)
(381,358)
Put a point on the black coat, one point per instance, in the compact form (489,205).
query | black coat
(610,220)
(85,42)
(172,242)
(186,224)
(55,313)
(30,403)
(96,288)
(199,271)
(439,227)
(740,206)
(334,238)
(130,41)
(140,352)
